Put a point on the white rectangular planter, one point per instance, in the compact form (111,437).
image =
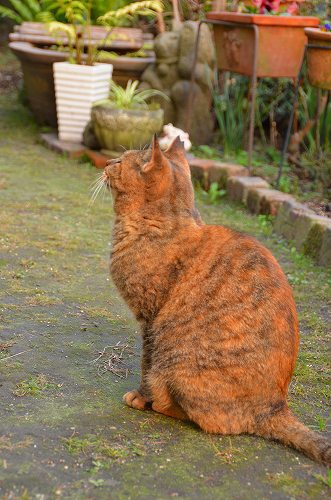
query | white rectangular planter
(77,87)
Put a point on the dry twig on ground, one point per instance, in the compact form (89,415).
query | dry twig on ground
(113,358)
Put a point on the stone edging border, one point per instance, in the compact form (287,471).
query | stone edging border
(310,233)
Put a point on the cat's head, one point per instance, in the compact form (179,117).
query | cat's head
(151,178)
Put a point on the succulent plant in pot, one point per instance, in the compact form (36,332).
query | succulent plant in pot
(127,119)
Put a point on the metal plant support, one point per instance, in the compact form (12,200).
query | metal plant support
(253,85)
(295,100)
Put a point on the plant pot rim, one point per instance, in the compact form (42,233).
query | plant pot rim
(137,63)
(264,20)
(82,68)
(37,54)
(318,34)
(34,53)
(121,111)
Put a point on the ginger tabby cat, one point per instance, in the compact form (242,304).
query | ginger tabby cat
(218,319)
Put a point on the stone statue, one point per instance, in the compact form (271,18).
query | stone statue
(171,73)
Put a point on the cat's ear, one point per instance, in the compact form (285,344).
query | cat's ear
(158,160)
(176,150)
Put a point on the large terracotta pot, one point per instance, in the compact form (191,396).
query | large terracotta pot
(37,67)
(319,60)
(280,44)
(116,129)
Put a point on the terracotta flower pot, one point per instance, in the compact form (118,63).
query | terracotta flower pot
(319,60)
(116,129)
(37,67)
(280,45)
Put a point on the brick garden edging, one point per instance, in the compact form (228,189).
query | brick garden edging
(310,233)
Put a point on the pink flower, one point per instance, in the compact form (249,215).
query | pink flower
(267,5)
(293,8)
(272,5)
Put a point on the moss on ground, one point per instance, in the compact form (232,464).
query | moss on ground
(59,310)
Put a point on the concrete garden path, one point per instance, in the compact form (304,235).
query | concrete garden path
(64,431)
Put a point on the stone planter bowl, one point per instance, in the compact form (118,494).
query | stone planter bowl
(116,129)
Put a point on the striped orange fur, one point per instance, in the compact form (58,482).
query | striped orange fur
(218,318)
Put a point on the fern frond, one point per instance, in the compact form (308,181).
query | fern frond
(56,29)
(45,17)
(143,8)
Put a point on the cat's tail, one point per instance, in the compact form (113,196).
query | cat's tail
(286,428)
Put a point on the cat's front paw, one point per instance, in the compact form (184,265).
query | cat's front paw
(135,400)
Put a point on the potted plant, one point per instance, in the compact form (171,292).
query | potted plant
(280,44)
(78,82)
(37,48)
(319,60)
(126,120)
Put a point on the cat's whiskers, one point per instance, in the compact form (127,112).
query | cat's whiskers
(96,188)
(97,180)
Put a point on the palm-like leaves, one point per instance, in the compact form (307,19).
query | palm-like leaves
(10,14)
(27,10)
(131,97)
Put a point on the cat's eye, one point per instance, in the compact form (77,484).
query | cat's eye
(113,162)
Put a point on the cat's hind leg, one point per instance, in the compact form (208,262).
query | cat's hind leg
(173,411)
(163,401)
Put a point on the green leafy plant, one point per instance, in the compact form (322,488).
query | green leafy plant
(78,14)
(131,97)
(206,151)
(96,482)
(325,479)
(100,7)
(321,423)
(34,386)
(213,195)
(230,107)
(27,10)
